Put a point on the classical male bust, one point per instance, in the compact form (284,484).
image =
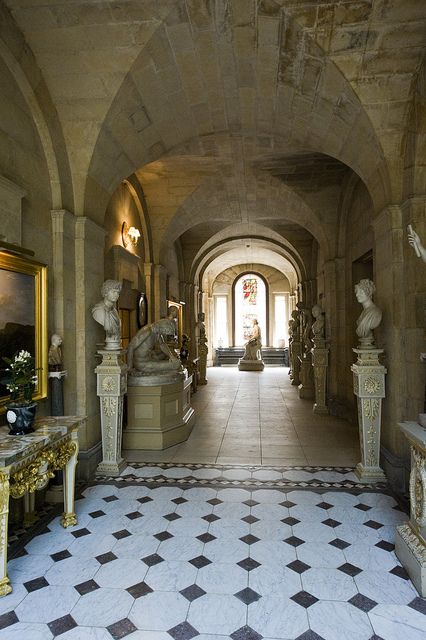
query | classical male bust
(106,314)
(148,351)
(371,315)
(55,353)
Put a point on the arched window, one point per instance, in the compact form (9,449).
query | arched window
(250,298)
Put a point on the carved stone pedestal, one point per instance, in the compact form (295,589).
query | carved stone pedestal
(112,385)
(158,415)
(250,365)
(306,386)
(296,350)
(369,387)
(202,360)
(320,364)
(410,539)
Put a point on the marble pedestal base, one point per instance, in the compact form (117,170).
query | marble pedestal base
(296,350)
(410,539)
(250,365)
(158,416)
(306,386)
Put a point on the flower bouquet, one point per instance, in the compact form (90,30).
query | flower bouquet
(20,379)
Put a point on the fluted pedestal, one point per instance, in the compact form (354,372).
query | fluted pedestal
(296,350)
(202,365)
(306,386)
(369,387)
(410,539)
(320,364)
(111,387)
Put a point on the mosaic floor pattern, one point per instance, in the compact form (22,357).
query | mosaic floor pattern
(182,551)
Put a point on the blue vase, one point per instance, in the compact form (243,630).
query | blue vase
(20,418)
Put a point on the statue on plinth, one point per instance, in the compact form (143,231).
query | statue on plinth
(55,353)
(106,314)
(148,352)
(306,331)
(371,315)
(254,345)
(319,323)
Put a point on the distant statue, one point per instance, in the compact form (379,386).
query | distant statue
(306,329)
(318,325)
(254,344)
(106,314)
(184,350)
(55,353)
(293,325)
(415,242)
(371,315)
(148,351)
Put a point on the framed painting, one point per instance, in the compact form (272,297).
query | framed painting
(175,312)
(23,315)
(142,310)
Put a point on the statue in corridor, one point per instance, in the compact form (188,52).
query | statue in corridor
(318,326)
(148,351)
(55,353)
(371,315)
(106,314)
(254,345)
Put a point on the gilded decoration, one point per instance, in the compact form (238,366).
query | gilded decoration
(68,520)
(418,487)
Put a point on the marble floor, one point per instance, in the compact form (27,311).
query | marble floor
(250,417)
(175,551)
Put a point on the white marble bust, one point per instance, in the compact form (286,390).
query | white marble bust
(318,325)
(105,313)
(371,315)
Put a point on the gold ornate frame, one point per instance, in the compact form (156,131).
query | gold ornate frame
(179,318)
(10,262)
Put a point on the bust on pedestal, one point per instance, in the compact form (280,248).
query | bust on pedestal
(159,391)
(319,360)
(369,385)
(306,386)
(252,358)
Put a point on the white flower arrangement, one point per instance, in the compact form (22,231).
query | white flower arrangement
(20,377)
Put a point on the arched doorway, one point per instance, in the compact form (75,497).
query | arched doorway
(250,297)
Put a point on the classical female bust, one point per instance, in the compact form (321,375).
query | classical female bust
(371,315)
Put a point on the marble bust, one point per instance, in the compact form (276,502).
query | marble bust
(318,325)
(106,314)
(148,352)
(371,315)
(55,353)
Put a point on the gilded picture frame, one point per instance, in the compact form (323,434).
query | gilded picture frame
(23,316)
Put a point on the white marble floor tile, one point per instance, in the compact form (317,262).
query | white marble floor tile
(266,496)
(270,530)
(229,528)
(309,513)
(148,635)
(102,607)
(107,524)
(314,532)
(48,543)
(86,633)
(358,534)
(272,552)
(203,614)
(72,571)
(171,576)
(159,611)
(275,617)
(377,500)
(121,573)
(233,495)
(370,558)
(233,510)
(11,601)
(220,577)
(348,515)
(47,604)
(329,584)
(148,525)
(268,511)
(194,509)
(26,631)
(304,497)
(207,474)
(341,499)
(229,550)
(27,568)
(199,493)
(394,622)
(93,545)
(137,545)
(269,580)
(387,516)
(180,548)
(321,554)
(339,621)
(385,588)
(188,526)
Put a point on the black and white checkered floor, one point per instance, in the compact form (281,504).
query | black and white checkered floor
(182,551)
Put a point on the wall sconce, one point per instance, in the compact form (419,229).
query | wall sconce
(129,235)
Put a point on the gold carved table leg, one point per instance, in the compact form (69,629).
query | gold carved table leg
(5,586)
(69,517)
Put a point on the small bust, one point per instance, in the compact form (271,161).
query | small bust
(318,325)
(55,353)
(371,315)
(106,314)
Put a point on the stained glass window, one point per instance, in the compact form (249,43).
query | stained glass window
(250,304)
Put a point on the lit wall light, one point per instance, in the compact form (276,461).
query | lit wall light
(129,235)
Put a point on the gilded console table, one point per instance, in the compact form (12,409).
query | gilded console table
(28,462)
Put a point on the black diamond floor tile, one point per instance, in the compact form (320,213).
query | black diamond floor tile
(376,637)
(419,604)
(163,535)
(61,625)
(214,502)
(250,503)
(110,498)
(97,514)
(86,587)
(298,566)
(324,505)
(290,521)
(192,592)
(123,533)
(400,572)
(183,631)
(200,561)
(362,507)
(8,619)
(349,569)
(249,539)
(248,596)
(362,602)
(373,524)
(80,533)
(140,589)
(134,515)
(304,599)
(331,523)
(294,541)
(152,560)
(179,500)
(212,517)
(172,516)
(246,633)
(310,635)
(121,629)
(106,557)
(37,583)
(60,555)
(248,564)
(340,544)
(144,499)
(206,537)
(250,519)
(386,546)
(288,504)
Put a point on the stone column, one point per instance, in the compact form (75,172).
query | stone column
(320,364)
(410,540)
(111,387)
(369,387)
(56,380)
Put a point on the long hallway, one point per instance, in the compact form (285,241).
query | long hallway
(258,418)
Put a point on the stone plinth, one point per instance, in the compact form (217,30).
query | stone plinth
(410,539)
(111,387)
(56,382)
(369,387)
(320,364)
(306,386)
(202,356)
(158,415)
(296,351)
(250,365)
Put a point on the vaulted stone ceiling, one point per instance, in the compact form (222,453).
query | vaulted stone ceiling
(238,111)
